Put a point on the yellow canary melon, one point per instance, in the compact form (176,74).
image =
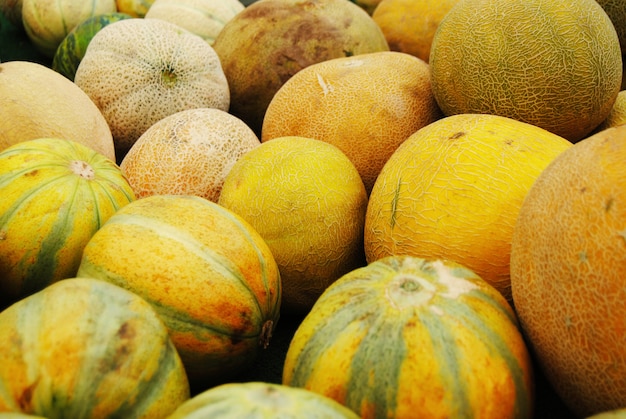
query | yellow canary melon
(306,199)
(453,191)
(47,22)
(38,102)
(205,18)
(135,8)
(271,40)
(555,64)
(568,254)
(138,71)
(368,5)
(187,153)
(410,25)
(366,105)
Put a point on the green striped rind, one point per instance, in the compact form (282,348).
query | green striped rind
(48,213)
(72,49)
(387,343)
(258,400)
(90,349)
(206,343)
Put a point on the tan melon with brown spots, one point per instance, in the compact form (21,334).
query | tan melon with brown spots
(187,153)
(365,105)
(138,71)
(568,257)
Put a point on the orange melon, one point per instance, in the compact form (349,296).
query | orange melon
(271,40)
(187,153)
(568,255)
(554,64)
(366,105)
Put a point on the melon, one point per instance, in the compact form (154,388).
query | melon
(406,337)
(56,194)
(72,48)
(206,271)
(43,103)
(568,255)
(83,348)
(259,400)
(554,64)
(47,22)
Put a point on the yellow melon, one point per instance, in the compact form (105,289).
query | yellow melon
(453,191)
(205,18)
(138,71)
(365,105)
(271,40)
(47,22)
(187,153)
(306,199)
(555,64)
(135,8)
(568,256)
(409,25)
(38,102)
(616,10)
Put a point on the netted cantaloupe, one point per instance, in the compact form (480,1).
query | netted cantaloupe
(554,64)
(568,257)
(138,71)
(187,153)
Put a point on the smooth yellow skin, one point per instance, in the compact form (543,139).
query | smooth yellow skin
(307,200)
(453,190)
(135,8)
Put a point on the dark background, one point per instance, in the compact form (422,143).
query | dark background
(15,45)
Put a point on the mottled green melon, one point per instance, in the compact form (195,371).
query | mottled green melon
(72,49)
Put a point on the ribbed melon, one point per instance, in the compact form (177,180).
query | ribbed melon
(406,337)
(55,194)
(207,272)
(259,400)
(83,348)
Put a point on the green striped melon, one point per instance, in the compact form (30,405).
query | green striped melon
(55,194)
(72,49)
(406,337)
(208,273)
(260,400)
(83,348)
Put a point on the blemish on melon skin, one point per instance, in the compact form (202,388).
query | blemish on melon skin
(456,135)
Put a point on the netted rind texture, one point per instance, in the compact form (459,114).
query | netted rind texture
(138,71)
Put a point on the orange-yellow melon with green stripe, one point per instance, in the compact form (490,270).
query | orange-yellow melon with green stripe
(83,348)
(208,273)
(406,337)
(55,194)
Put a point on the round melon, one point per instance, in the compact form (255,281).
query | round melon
(554,64)
(271,40)
(207,272)
(135,8)
(43,103)
(365,105)
(138,71)
(47,22)
(55,195)
(406,337)
(260,400)
(453,191)
(83,348)
(72,49)
(568,255)
(205,18)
